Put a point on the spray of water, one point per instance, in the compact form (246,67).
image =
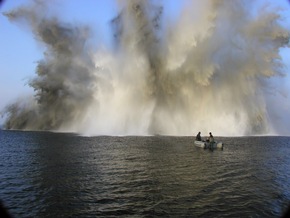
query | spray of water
(209,70)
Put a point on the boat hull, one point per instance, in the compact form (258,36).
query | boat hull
(203,144)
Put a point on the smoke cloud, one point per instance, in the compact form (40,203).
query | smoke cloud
(64,80)
(211,69)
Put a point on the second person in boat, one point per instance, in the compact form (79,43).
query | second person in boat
(198,137)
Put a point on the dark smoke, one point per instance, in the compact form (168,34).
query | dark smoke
(64,84)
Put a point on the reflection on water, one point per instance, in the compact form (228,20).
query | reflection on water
(47,174)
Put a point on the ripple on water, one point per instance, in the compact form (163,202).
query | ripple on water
(52,175)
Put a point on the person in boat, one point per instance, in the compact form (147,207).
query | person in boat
(211,140)
(198,137)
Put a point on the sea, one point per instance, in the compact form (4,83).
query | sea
(48,174)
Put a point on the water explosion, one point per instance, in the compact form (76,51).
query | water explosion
(208,70)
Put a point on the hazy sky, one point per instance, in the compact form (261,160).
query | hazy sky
(20,51)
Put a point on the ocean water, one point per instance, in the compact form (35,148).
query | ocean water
(45,174)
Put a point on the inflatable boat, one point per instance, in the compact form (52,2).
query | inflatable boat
(204,144)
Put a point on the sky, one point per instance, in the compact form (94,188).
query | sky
(20,52)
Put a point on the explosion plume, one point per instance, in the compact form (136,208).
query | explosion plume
(208,70)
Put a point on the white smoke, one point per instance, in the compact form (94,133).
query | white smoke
(212,69)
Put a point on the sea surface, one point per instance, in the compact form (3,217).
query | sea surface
(46,174)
